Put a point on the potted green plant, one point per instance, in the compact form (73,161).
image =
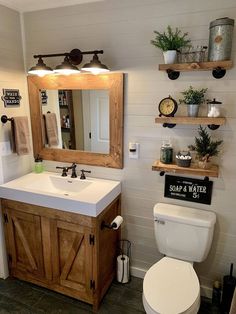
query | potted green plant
(193,98)
(205,148)
(170,42)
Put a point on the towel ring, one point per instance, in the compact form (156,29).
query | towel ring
(4,119)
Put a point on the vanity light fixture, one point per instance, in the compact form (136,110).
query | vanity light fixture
(95,66)
(41,68)
(68,66)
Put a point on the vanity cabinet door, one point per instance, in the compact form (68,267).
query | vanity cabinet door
(24,244)
(72,251)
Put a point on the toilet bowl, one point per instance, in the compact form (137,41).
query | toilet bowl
(184,235)
(171,286)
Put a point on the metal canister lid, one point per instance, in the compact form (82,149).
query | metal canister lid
(222,21)
(214,102)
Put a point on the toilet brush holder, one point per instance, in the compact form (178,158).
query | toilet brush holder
(229,284)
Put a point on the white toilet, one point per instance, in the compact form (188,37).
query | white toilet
(184,235)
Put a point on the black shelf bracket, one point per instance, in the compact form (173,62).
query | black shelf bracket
(162,173)
(213,126)
(168,125)
(218,73)
(173,75)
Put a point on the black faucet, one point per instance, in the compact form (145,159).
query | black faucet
(82,176)
(73,173)
(66,169)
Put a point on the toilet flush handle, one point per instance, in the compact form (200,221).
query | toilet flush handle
(161,222)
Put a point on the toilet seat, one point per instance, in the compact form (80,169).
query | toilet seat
(171,286)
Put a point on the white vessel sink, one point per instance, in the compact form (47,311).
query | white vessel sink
(49,189)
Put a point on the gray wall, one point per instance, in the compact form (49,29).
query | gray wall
(124,29)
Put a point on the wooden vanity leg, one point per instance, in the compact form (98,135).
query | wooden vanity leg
(96,304)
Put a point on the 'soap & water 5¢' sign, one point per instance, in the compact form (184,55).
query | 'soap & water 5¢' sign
(187,189)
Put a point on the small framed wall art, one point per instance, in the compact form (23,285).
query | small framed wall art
(11,97)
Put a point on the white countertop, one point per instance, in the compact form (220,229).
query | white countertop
(49,189)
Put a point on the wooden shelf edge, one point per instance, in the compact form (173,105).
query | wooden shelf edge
(213,171)
(197,66)
(191,120)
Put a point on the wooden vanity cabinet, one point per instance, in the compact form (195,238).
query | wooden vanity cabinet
(62,251)
(24,241)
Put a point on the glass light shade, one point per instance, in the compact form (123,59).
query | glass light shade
(95,66)
(40,69)
(66,68)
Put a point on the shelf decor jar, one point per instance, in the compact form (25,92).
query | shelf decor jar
(193,98)
(183,159)
(213,108)
(166,153)
(170,42)
(220,39)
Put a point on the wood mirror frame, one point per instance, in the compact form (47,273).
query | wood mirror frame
(114,83)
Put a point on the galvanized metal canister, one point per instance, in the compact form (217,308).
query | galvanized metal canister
(220,39)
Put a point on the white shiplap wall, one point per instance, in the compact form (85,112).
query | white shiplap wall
(12,75)
(124,29)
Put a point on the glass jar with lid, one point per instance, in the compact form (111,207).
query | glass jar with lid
(213,108)
(166,152)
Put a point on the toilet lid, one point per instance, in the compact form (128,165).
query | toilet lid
(171,286)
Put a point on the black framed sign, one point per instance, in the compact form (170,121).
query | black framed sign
(44,97)
(11,97)
(188,189)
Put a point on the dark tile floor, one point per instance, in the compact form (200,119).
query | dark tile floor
(24,298)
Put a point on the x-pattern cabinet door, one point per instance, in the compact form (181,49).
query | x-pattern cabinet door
(24,243)
(72,257)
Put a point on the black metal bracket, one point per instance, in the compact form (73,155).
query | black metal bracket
(104,225)
(218,73)
(162,173)
(173,75)
(168,125)
(4,119)
(213,126)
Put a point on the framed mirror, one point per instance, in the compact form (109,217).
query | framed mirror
(89,118)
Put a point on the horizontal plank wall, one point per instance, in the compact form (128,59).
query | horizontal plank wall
(124,30)
(12,76)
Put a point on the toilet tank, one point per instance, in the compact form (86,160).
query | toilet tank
(183,232)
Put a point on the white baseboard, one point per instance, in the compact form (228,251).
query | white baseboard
(137,272)
(140,273)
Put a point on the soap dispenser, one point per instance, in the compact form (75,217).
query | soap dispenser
(38,164)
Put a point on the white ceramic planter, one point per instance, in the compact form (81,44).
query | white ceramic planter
(170,56)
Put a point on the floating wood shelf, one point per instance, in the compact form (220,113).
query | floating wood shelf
(197,66)
(218,68)
(213,171)
(191,120)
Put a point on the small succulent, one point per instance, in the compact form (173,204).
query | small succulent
(170,40)
(193,96)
